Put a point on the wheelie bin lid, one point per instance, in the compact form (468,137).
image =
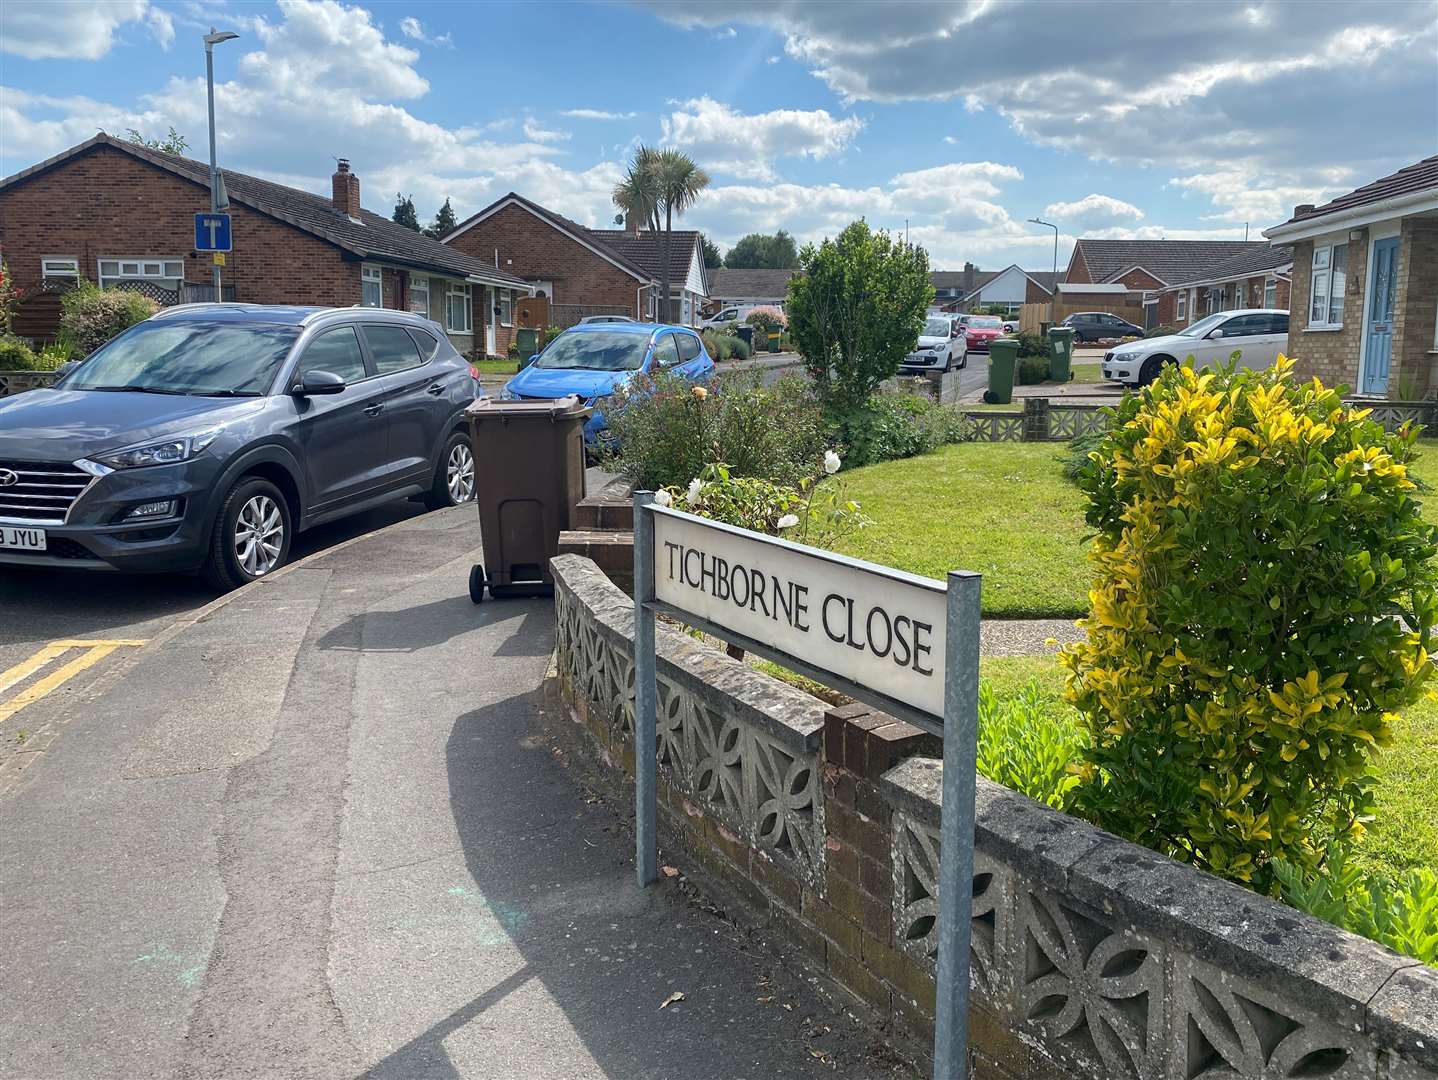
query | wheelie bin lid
(565,408)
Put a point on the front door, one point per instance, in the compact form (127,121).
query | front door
(1378,344)
(490,318)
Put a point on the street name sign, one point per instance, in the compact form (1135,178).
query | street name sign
(905,644)
(212,232)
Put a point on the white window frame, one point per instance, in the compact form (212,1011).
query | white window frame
(505,303)
(419,283)
(1270,292)
(59,266)
(142,268)
(1181,309)
(451,290)
(1324,274)
(371,276)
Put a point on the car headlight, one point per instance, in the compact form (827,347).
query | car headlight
(168,451)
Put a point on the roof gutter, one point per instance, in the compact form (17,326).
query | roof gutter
(1281,270)
(1405,205)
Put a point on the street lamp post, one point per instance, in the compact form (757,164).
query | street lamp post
(1055,228)
(211,40)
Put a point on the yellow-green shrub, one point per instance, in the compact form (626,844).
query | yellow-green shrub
(1263,600)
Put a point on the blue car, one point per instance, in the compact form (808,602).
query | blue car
(592,360)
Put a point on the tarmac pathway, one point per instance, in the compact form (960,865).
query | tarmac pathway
(318,832)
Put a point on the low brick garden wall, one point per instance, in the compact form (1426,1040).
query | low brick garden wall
(15,382)
(1092,957)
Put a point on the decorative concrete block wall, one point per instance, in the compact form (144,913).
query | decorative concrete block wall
(1091,957)
(15,382)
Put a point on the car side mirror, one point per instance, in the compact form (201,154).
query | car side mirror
(318,384)
(1214,335)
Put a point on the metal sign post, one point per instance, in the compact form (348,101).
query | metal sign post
(871,631)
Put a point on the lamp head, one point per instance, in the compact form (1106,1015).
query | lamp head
(213,38)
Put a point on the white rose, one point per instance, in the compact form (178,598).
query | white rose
(831,462)
(663,498)
(788,521)
(694,498)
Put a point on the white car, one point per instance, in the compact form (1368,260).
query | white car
(941,346)
(1258,335)
(733,313)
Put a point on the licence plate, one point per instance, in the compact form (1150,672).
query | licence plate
(24,539)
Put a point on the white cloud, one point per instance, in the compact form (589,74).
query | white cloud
(1091,212)
(413,29)
(747,145)
(533,130)
(596,114)
(773,59)
(77,29)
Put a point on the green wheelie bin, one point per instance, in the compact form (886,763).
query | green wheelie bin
(1061,352)
(1003,358)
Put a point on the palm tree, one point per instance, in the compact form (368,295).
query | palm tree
(657,186)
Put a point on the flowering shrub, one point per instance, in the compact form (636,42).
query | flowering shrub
(666,435)
(15,355)
(1263,600)
(91,316)
(767,318)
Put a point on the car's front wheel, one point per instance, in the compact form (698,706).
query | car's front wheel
(454,479)
(251,538)
(1152,368)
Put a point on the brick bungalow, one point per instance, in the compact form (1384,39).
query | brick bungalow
(1365,285)
(731,288)
(585,271)
(1150,267)
(120,214)
(1251,279)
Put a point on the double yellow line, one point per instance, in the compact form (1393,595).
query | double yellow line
(94,652)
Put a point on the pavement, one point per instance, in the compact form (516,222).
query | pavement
(317,829)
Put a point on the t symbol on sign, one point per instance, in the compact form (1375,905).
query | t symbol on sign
(213,224)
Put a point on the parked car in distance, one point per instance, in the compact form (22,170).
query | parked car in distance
(207,436)
(1096,325)
(593,360)
(733,313)
(605,318)
(979,330)
(1257,334)
(941,347)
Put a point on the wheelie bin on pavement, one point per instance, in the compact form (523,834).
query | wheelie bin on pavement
(529,476)
(1061,351)
(1003,358)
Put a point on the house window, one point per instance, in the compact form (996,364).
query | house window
(1182,311)
(166,272)
(419,294)
(59,266)
(458,308)
(371,286)
(506,307)
(1330,263)
(1270,292)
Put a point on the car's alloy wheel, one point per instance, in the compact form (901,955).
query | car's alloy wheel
(459,473)
(259,538)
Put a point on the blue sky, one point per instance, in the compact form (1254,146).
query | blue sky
(964,117)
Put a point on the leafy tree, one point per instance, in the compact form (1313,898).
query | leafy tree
(712,259)
(658,186)
(404,212)
(758,251)
(444,222)
(173,143)
(857,311)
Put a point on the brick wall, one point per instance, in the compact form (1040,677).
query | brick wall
(1415,307)
(1139,279)
(104,204)
(532,249)
(1331,355)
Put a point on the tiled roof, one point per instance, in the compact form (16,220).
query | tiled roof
(1267,257)
(372,236)
(1170,261)
(646,249)
(724,282)
(1416,177)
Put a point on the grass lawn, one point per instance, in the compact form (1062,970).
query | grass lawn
(496,367)
(1002,509)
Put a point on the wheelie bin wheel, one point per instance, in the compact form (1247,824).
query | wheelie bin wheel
(476,584)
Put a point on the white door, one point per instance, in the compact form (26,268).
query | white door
(490,347)
(1252,337)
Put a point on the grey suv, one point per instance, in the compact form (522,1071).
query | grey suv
(207,436)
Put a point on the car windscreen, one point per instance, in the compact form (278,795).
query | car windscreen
(1203,326)
(188,358)
(936,328)
(595,351)
(986,324)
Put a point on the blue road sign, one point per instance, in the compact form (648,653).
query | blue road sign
(212,232)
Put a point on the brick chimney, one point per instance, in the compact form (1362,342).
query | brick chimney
(345,185)
(631,223)
(1303,210)
(969,271)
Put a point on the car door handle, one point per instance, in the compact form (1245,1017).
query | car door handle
(434,388)
(373,410)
